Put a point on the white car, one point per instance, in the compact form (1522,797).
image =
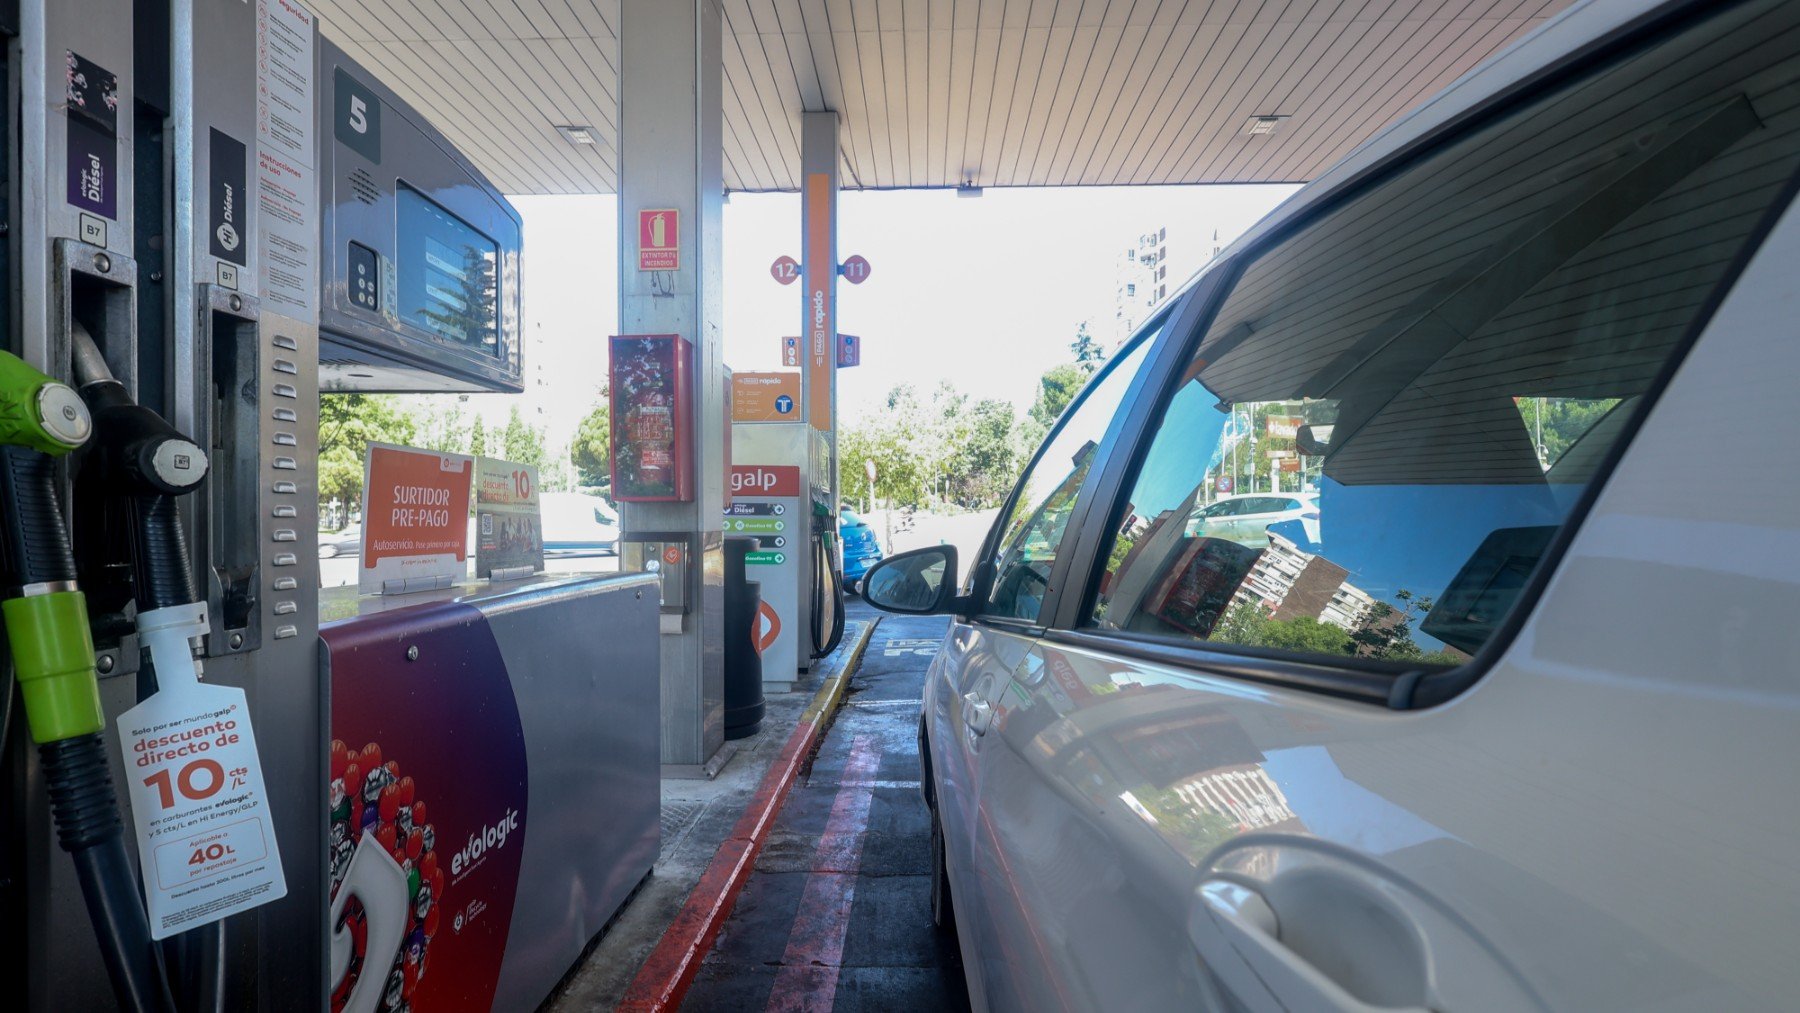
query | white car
(1522,732)
(1245,517)
(577,524)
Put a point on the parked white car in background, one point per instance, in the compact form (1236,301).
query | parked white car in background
(1245,517)
(1517,726)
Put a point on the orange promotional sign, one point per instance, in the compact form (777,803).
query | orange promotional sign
(415,515)
(765,397)
(659,240)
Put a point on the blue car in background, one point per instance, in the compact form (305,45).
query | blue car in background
(861,549)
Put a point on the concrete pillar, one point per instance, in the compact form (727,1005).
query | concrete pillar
(671,157)
(819,336)
(819,256)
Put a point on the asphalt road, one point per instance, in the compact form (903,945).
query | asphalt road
(837,915)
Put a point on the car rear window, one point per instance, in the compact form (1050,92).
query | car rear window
(1442,363)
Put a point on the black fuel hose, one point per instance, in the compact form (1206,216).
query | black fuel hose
(89,828)
(149,463)
(165,577)
(35,543)
(76,773)
(825,572)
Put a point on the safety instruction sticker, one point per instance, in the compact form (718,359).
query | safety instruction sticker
(205,840)
(286,185)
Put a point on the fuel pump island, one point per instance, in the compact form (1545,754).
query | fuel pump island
(224,789)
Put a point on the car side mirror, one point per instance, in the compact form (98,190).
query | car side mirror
(919,582)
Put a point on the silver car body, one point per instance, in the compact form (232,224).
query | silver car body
(1606,819)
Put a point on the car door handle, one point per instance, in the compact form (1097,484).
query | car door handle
(1306,978)
(977,713)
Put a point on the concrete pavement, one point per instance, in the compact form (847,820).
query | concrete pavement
(837,914)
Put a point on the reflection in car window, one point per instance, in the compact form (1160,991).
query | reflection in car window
(1408,396)
(1046,495)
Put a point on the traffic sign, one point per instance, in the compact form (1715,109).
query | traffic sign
(849,351)
(855,270)
(785,269)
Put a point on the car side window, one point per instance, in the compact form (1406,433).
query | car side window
(1431,373)
(1046,495)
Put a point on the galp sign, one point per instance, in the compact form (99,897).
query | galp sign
(777,480)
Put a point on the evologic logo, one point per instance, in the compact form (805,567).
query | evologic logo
(480,843)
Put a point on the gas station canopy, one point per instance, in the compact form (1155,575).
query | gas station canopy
(937,93)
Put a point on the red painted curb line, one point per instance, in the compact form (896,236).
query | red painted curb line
(663,980)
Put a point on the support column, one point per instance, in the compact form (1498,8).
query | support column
(671,157)
(819,324)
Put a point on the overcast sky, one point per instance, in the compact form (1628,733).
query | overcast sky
(986,292)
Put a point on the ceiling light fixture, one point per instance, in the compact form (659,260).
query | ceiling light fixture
(967,188)
(578,134)
(1263,125)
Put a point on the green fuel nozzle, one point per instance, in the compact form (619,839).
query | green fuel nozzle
(53,659)
(39,413)
(45,615)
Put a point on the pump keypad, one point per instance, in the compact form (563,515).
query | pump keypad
(365,278)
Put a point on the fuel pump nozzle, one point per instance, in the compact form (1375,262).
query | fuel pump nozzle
(144,458)
(828,583)
(53,659)
(148,465)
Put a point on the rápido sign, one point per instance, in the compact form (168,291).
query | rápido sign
(205,838)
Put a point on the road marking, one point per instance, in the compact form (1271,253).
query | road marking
(923,647)
(871,704)
(808,977)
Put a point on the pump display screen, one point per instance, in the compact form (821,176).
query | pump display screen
(446,275)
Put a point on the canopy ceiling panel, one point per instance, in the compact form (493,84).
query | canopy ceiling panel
(942,92)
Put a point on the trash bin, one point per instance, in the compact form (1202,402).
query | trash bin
(743,664)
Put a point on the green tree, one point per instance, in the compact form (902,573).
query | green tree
(520,442)
(986,462)
(1243,623)
(444,431)
(1386,632)
(478,443)
(557,474)
(1307,635)
(591,450)
(348,423)
(1056,388)
(1560,421)
(1088,353)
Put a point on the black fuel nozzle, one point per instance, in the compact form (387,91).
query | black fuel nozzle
(149,463)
